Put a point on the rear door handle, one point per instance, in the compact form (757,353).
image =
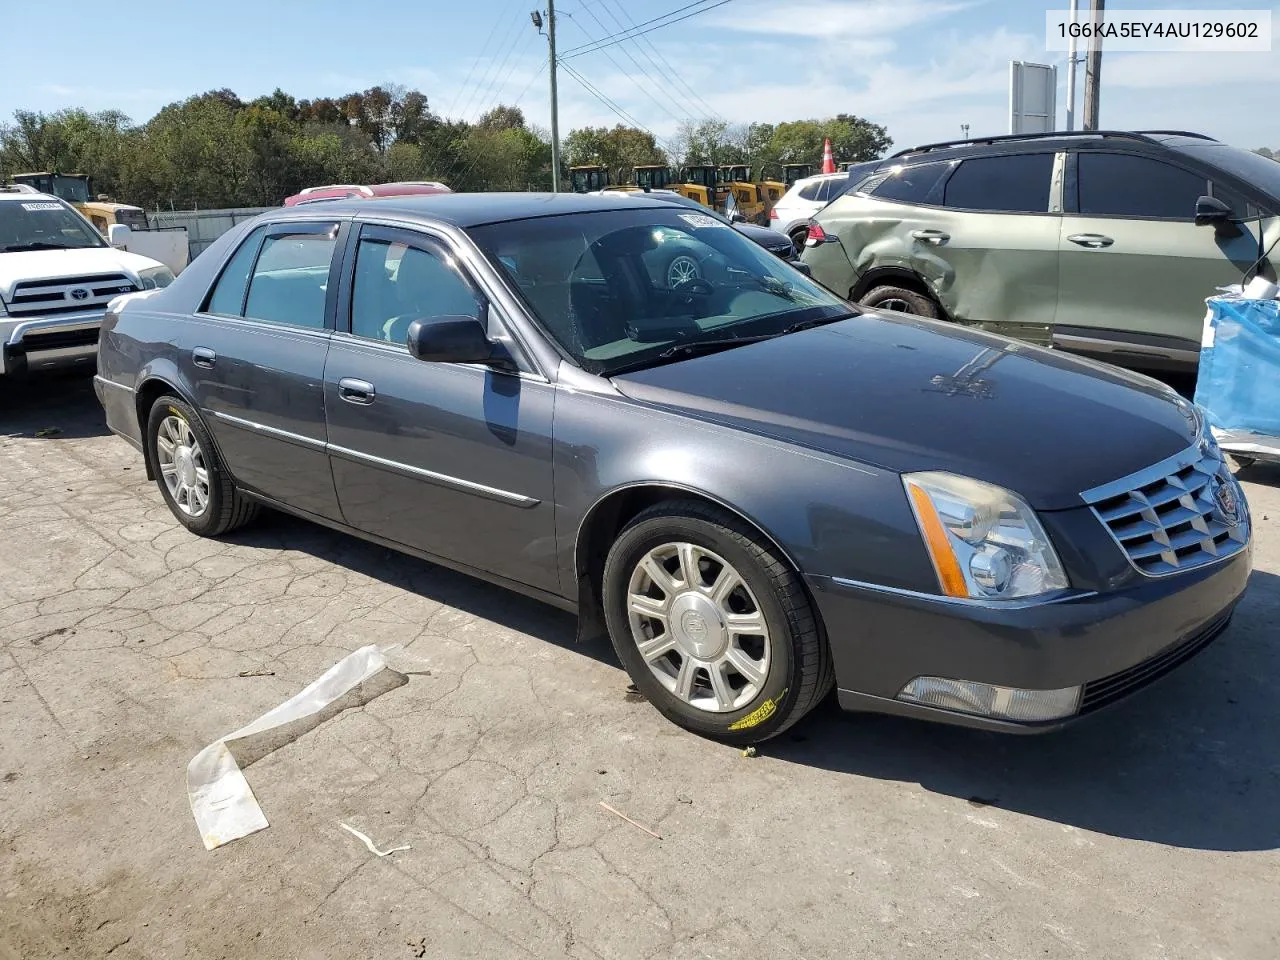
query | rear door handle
(356,391)
(1093,240)
(203,357)
(931,236)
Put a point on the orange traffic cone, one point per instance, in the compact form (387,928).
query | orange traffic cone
(828,161)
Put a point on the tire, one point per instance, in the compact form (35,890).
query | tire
(790,656)
(1243,463)
(224,508)
(680,269)
(901,300)
(798,237)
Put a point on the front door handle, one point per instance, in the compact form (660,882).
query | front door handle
(1092,240)
(356,391)
(203,357)
(931,236)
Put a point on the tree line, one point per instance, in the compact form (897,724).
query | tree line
(217,150)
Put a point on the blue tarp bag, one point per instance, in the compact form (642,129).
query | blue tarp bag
(1239,382)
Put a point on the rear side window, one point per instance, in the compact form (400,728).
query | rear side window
(1013,184)
(811,191)
(290,279)
(910,184)
(228,294)
(1120,185)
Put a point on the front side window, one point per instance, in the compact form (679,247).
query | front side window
(620,289)
(39,224)
(1012,184)
(1123,185)
(396,284)
(910,184)
(290,279)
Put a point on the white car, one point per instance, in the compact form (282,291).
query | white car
(791,214)
(57,276)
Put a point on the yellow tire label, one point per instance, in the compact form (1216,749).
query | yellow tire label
(759,715)
(177,413)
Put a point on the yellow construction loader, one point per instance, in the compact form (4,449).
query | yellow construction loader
(77,190)
(588,178)
(748,198)
(698,183)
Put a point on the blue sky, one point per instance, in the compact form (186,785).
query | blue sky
(921,67)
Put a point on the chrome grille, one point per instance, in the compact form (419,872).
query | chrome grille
(1177,515)
(67,294)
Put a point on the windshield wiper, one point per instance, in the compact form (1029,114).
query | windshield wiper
(37,245)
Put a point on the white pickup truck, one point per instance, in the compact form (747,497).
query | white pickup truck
(57,275)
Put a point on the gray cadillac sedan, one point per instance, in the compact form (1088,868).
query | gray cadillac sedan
(757,489)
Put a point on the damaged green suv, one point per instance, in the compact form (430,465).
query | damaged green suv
(1102,243)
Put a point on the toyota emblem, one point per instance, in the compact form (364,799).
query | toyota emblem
(79,293)
(1228,503)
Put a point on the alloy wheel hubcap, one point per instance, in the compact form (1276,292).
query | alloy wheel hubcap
(682,270)
(895,303)
(698,627)
(182,466)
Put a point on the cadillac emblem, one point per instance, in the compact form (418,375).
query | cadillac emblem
(1228,502)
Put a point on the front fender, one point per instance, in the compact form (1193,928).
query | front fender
(829,516)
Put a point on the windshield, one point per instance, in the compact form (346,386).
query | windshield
(44,225)
(620,289)
(1250,167)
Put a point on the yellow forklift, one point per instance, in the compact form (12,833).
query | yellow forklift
(649,176)
(773,189)
(77,190)
(748,198)
(698,183)
(588,178)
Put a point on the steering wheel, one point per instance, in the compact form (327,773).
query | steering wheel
(694,287)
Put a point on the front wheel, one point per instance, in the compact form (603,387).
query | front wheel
(195,486)
(712,625)
(900,300)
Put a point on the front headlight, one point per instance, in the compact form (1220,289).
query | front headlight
(155,278)
(985,542)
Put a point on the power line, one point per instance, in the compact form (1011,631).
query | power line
(617,110)
(476,159)
(667,69)
(474,63)
(637,32)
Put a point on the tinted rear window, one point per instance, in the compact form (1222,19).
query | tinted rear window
(1013,184)
(1122,185)
(910,184)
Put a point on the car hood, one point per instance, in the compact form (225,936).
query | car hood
(908,394)
(767,238)
(53,264)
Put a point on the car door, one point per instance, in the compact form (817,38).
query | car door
(256,362)
(450,459)
(1135,267)
(990,247)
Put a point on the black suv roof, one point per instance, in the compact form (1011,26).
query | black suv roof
(1054,140)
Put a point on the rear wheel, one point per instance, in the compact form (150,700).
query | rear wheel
(712,625)
(798,237)
(900,300)
(195,485)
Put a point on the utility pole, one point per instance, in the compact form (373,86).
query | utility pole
(536,17)
(1093,68)
(964,128)
(1071,69)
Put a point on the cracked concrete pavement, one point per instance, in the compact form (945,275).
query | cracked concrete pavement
(127,645)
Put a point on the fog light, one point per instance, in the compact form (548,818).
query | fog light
(989,700)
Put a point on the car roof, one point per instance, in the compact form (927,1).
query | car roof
(23,195)
(1047,142)
(462,209)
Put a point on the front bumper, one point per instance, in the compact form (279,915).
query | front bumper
(39,344)
(1112,644)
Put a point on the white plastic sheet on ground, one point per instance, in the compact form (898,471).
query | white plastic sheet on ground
(221,798)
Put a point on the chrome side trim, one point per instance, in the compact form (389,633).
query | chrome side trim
(309,442)
(1060,596)
(98,378)
(1123,347)
(493,493)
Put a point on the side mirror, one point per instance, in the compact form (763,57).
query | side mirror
(1211,211)
(738,218)
(119,235)
(454,340)
(802,267)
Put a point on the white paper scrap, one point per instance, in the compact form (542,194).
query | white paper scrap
(221,799)
(369,843)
